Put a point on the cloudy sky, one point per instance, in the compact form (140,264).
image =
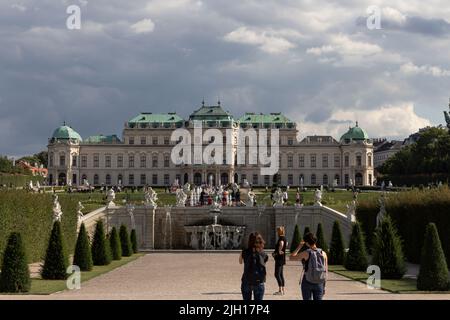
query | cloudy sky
(316,61)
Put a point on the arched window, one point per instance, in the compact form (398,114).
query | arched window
(119,179)
(301,180)
(108,179)
(325,180)
(313,179)
(96,179)
(337,178)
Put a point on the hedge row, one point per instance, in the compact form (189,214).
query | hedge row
(411,211)
(18,180)
(30,214)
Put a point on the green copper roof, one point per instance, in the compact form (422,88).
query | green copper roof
(102,139)
(65,133)
(156,117)
(355,133)
(264,118)
(210,113)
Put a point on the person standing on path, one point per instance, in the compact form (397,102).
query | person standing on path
(280,259)
(254,259)
(316,268)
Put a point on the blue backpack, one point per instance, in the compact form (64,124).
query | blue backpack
(315,271)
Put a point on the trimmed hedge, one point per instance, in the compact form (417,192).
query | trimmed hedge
(56,262)
(411,211)
(30,214)
(15,275)
(387,251)
(133,238)
(433,274)
(337,246)
(356,257)
(127,249)
(83,255)
(296,239)
(321,242)
(114,242)
(101,250)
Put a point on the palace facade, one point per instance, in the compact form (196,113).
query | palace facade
(143,155)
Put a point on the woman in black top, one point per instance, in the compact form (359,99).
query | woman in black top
(254,276)
(280,259)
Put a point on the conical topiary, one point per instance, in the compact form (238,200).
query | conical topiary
(56,262)
(101,252)
(356,258)
(83,255)
(387,251)
(306,231)
(336,255)
(15,275)
(114,242)
(133,238)
(433,274)
(296,239)
(127,250)
(321,242)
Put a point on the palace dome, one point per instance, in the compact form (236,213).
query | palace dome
(66,133)
(355,134)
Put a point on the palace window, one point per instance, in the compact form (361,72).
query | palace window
(358,160)
(290,161)
(107,161)
(324,161)
(166,179)
(313,179)
(143,179)
(337,161)
(131,161)
(255,179)
(243,178)
(290,142)
(155,161)
(166,141)
(119,161)
(96,179)
(290,179)
(166,161)
(313,161)
(62,160)
(131,140)
(143,161)
(325,179)
(108,179)
(155,140)
(131,179)
(267,180)
(155,179)
(50,159)
(84,161)
(337,178)
(74,160)
(346,161)
(96,160)
(301,161)
(143,140)
(369,160)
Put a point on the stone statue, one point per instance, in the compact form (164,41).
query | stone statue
(250,199)
(235,187)
(181,197)
(447,118)
(38,185)
(110,197)
(150,197)
(278,198)
(187,187)
(30,185)
(57,212)
(351,211)
(80,212)
(194,240)
(318,197)
(130,210)
(382,213)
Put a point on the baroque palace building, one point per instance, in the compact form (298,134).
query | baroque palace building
(143,155)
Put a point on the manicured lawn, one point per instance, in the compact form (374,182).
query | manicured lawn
(395,286)
(39,286)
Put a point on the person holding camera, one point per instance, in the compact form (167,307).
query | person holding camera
(315,269)
(280,259)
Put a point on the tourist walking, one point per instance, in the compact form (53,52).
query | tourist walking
(280,259)
(315,268)
(254,259)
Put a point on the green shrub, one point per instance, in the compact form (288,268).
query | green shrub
(133,238)
(101,251)
(296,239)
(411,211)
(15,275)
(336,256)
(114,242)
(356,258)
(321,242)
(433,274)
(30,214)
(305,231)
(127,250)
(387,251)
(56,262)
(83,255)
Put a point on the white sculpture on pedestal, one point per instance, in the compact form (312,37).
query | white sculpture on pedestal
(250,199)
(80,212)
(181,198)
(57,212)
(150,197)
(278,198)
(110,197)
(382,213)
(351,211)
(318,198)
(130,210)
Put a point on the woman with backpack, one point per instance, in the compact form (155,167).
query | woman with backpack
(315,270)
(280,259)
(254,259)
